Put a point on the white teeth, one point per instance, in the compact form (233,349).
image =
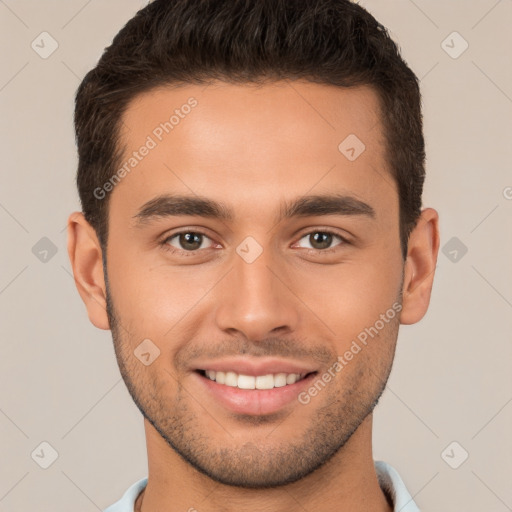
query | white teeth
(246,382)
(241,381)
(291,378)
(265,381)
(280,380)
(231,379)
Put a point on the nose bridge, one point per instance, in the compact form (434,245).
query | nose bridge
(254,300)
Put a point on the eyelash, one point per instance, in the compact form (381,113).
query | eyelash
(166,247)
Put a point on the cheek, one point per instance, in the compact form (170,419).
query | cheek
(156,299)
(353,291)
(153,300)
(351,296)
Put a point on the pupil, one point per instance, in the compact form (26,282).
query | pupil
(190,241)
(322,240)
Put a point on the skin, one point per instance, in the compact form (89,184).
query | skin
(252,148)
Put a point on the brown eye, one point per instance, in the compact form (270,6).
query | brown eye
(187,241)
(321,240)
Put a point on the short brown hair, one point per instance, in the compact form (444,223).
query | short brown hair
(334,42)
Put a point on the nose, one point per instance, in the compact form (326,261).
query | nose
(256,300)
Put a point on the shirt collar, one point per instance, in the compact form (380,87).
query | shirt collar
(391,483)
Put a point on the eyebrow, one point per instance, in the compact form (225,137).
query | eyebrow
(312,205)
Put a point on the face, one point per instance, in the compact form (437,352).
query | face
(246,243)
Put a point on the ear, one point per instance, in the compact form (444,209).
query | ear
(420,266)
(85,253)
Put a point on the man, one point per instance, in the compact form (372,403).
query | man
(250,174)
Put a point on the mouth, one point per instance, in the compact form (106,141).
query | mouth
(253,395)
(254,382)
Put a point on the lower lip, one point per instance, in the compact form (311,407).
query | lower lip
(255,401)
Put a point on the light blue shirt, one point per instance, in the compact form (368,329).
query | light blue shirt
(389,480)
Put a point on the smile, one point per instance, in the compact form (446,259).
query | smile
(253,394)
(241,381)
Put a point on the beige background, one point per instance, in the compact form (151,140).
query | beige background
(451,380)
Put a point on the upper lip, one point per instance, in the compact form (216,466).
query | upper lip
(255,367)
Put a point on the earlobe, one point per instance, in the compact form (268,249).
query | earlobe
(85,255)
(422,251)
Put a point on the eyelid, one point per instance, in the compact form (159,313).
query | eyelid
(330,231)
(324,229)
(164,241)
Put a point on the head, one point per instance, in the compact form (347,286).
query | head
(264,124)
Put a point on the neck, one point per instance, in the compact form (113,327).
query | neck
(346,482)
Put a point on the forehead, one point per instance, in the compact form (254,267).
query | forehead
(246,144)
